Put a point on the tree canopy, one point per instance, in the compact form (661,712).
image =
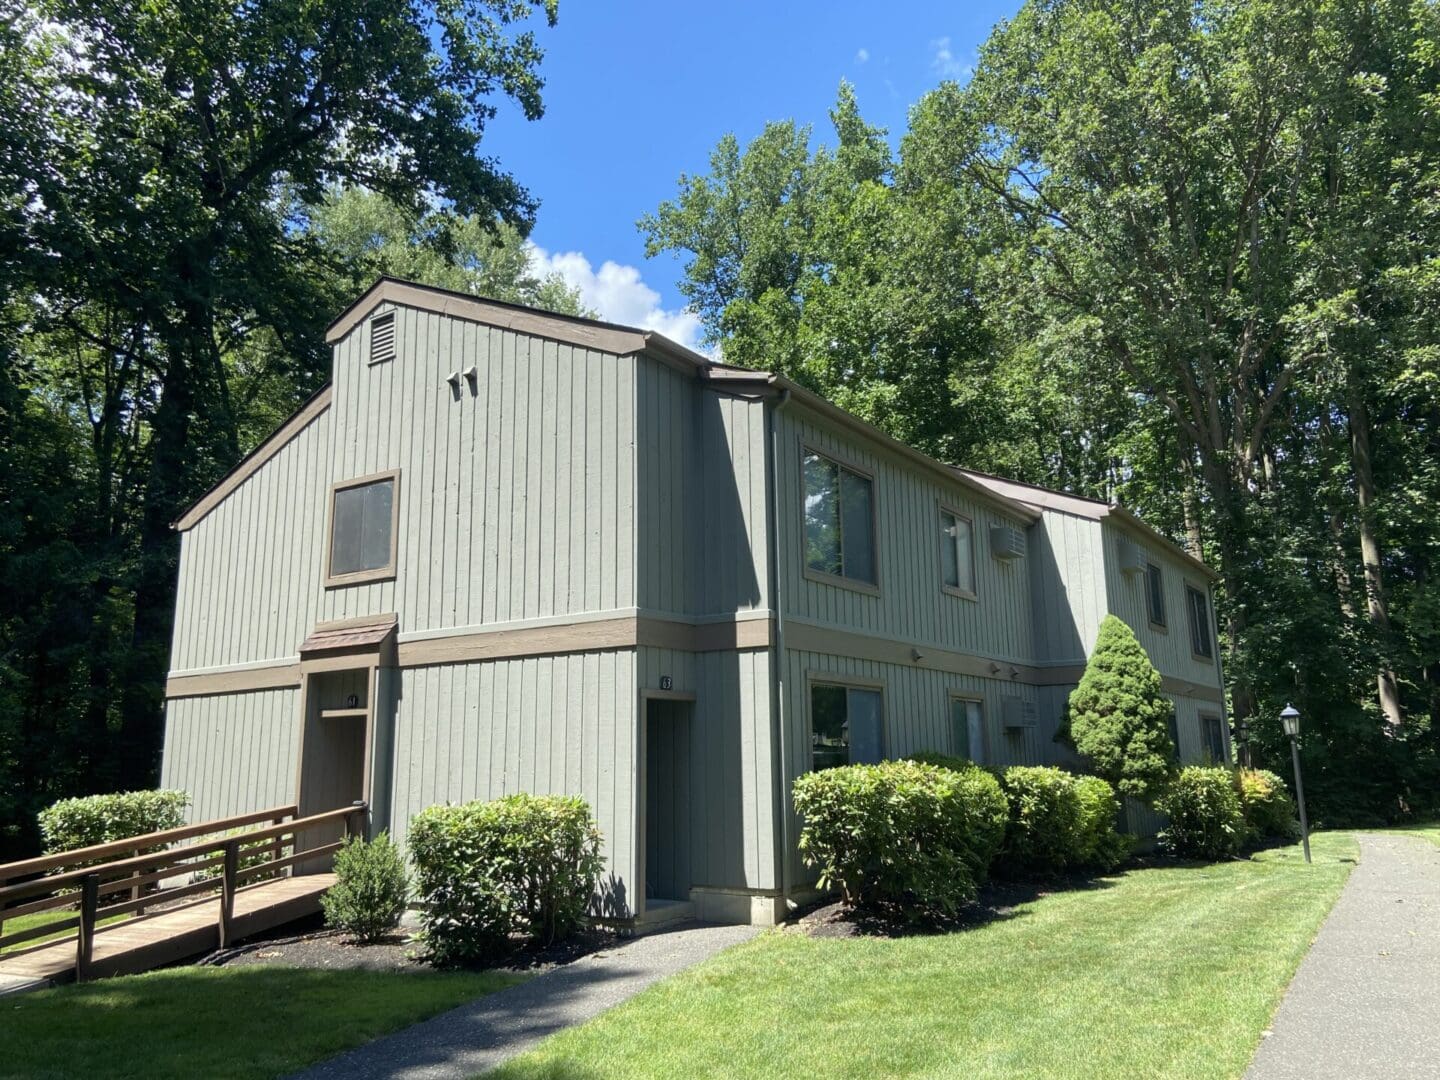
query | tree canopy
(173,179)
(1177,255)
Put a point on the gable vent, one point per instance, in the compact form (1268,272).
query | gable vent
(382,338)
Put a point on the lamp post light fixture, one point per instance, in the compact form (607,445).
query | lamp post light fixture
(1290,720)
(1242,736)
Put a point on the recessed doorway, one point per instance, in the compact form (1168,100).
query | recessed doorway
(668,875)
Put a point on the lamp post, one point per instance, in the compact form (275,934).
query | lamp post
(1242,735)
(1290,719)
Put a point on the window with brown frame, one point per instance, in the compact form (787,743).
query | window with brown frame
(839,520)
(957,553)
(362,530)
(1154,595)
(1200,641)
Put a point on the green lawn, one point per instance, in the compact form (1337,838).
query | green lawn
(25,922)
(241,1022)
(1431,832)
(1169,972)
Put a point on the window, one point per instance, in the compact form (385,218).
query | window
(845,725)
(1154,595)
(362,530)
(967,729)
(957,553)
(1214,739)
(382,338)
(1200,642)
(839,520)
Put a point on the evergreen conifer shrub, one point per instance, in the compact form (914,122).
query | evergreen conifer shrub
(1119,719)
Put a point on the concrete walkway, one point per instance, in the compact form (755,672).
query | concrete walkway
(1366,1000)
(483,1033)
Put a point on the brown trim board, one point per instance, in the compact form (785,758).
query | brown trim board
(283,676)
(252,462)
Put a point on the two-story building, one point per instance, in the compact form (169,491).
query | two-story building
(505,550)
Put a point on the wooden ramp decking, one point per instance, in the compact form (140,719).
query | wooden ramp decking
(163,937)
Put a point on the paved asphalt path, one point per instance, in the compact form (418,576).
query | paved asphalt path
(481,1034)
(1366,1001)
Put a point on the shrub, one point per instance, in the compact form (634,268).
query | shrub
(1042,836)
(1119,719)
(1268,808)
(1100,845)
(98,819)
(252,854)
(1058,822)
(370,888)
(485,870)
(914,836)
(1206,821)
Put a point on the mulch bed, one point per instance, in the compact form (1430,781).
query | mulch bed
(997,900)
(315,947)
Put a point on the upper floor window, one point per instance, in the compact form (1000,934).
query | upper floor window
(1200,640)
(839,520)
(1154,595)
(362,529)
(957,553)
(845,725)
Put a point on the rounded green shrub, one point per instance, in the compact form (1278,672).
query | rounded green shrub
(903,835)
(1042,835)
(370,890)
(1100,845)
(98,819)
(524,864)
(1206,820)
(1269,810)
(1118,717)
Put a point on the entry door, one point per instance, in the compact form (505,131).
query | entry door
(667,799)
(967,725)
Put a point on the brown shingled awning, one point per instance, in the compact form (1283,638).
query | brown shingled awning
(359,639)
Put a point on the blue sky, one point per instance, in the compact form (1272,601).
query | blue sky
(638,92)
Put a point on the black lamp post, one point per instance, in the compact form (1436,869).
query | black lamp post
(1290,718)
(1242,735)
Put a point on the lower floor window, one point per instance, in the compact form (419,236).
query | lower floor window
(845,725)
(1214,738)
(967,729)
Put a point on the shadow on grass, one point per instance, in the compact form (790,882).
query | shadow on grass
(998,901)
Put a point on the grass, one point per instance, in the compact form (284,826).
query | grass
(1163,972)
(1430,832)
(39,918)
(246,1023)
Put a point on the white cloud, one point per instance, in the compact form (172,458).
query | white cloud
(944,61)
(618,294)
(862,56)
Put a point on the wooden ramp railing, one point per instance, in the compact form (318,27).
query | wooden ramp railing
(147,872)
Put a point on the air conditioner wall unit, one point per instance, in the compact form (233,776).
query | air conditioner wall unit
(1132,558)
(1018,713)
(1007,542)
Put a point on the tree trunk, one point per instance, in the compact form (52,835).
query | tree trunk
(1370,554)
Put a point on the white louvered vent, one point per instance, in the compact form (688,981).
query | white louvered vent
(382,338)
(1018,713)
(1007,542)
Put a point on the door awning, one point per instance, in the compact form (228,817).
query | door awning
(361,641)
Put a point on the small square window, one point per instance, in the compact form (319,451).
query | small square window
(362,530)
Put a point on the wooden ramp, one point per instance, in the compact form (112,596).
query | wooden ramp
(150,941)
(160,901)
